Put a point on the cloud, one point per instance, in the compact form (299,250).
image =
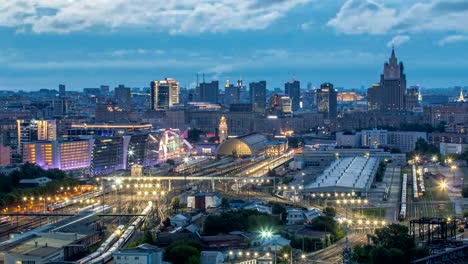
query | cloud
(398,40)
(452,39)
(372,17)
(173,16)
(307,25)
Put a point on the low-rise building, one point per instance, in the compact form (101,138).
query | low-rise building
(225,241)
(42,181)
(295,216)
(143,254)
(47,247)
(452,148)
(203,201)
(179,220)
(211,257)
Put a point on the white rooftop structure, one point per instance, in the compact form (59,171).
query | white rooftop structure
(346,175)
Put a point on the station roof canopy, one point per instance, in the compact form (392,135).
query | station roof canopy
(346,175)
(245,145)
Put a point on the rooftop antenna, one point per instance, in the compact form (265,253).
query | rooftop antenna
(203,77)
(197,79)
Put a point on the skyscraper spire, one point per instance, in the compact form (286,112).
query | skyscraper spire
(461,98)
(393,59)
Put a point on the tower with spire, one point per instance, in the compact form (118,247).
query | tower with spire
(393,85)
(461,97)
(223,129)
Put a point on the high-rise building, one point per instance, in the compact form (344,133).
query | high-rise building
(104,90)
(164,94)
(62,90)
(208,92)
(258,95)
(393,85)
(412,98)
(327,100)
(374,99)
(123,97)
(35,130)
(46,129)
(231,94)
(293,90)
(281,105)
(223,129)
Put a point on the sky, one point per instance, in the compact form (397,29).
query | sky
(86,43)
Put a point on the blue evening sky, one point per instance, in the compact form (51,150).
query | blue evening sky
(86,43)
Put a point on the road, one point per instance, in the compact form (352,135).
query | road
(334,253)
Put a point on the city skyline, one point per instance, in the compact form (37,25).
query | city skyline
(43,46)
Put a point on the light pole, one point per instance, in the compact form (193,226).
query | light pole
(266,234)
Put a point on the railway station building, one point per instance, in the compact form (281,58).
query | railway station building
(242,146)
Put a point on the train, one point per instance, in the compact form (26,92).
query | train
(106,255)
(404,185)
(88,208)
(104,246)
(4,220)
(422,188)
(415,183)
(83,197)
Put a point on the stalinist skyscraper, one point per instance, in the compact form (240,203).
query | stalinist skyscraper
(393,85)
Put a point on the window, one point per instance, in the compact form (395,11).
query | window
(137,258)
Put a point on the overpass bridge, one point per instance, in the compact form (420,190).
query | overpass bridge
(119,180)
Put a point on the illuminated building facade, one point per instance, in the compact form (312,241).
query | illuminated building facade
(57,154)
(103,155)
(34,130)
(275,148)
(231,94)
(164,94)
(326,100)
(107,155)
(245,145)
(281,105)
(223,129)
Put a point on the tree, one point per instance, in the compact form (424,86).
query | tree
(175,203)
(148,238)
(395,236)
(329,211)
(465,192)
(423,147)
(284,255)
(225,203)
(167,222)
(278,209)
(393,245)
(183,252)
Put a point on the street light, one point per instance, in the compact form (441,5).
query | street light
(434,158)
(443,185)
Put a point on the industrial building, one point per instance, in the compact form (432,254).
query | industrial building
(350,174)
